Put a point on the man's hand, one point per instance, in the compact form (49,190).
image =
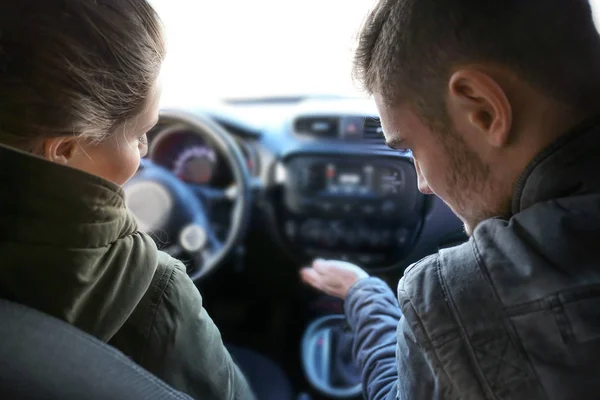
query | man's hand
(333,277)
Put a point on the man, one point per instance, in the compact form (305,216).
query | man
(499,102)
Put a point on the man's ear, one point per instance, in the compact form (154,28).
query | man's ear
(482,105)
(60,149)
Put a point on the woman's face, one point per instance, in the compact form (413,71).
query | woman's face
(117,157)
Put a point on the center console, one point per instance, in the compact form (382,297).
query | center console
(357,208)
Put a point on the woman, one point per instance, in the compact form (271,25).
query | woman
(78,92)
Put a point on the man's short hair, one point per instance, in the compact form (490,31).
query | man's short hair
(407,48)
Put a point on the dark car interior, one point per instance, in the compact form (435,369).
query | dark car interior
(249,192)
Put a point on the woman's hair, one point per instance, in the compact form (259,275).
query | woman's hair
(74,67)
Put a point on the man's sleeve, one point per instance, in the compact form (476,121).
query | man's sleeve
(392,364)
(185,348)
(373,314)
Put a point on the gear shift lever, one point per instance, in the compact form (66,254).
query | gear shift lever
(344,371)
(327,358)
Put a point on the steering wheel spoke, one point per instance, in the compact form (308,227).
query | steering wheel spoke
(212,196)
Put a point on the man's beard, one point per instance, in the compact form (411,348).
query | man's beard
(472,194)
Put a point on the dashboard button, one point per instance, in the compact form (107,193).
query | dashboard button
(374,238)
(370,259)
(347,208)
(348,189)
(368,209)
(388,207)
(378,258)
(291,229)
(351,237)
(311,230)
(326,206)
(386,237)
(402,236)
(365,259)
(308,206)
(329,237)
(312,252)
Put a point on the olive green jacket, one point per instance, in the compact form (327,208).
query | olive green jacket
(71,249)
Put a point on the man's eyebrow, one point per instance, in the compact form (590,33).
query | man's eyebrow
(395,142)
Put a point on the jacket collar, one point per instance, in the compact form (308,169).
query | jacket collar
(49,204)
(568,167)
(69,246)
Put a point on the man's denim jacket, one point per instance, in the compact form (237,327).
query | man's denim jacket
(514,313)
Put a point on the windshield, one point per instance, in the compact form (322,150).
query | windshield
(241,49)
(235,49)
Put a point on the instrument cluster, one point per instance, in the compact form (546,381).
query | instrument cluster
(193,159)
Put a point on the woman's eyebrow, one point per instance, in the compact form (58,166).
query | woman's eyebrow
(152,125)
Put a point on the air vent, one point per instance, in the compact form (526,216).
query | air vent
(373,131)
(323,127)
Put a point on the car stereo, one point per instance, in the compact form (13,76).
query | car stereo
(339,178)
(361,208)
(338,185)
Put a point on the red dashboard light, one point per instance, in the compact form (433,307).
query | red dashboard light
(330,171)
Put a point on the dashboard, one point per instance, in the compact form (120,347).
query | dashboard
(327,185)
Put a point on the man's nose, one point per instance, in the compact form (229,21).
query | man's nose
(421,182)
(423,186)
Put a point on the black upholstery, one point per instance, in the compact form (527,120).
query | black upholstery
(266,379)
(44,358)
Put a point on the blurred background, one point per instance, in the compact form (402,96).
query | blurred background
(239,49)
(245,49)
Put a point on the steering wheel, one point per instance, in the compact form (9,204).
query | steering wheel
(175,214)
